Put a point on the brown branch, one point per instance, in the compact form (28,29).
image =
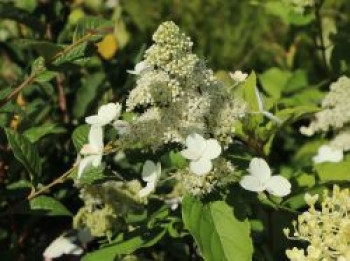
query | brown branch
(18,89)
(58,180)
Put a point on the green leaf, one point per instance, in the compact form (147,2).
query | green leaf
(249,94)
(8,11)
(287,14)
(25,152)
(45,76)
(90,176)
(75,53)
(96,26)
(329,171)
(135,240)
(80,136)
(296,82)
(42,206)
(45,49)
(36,133)
(273,81)
(87,93)
(217,231)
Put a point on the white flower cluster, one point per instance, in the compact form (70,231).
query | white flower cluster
(341,141)
(327,230)
(335,115)
(178,95)
(300,5)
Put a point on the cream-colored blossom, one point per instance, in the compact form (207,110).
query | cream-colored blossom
(335,113)
(341,141)
(179,95)
(327,231)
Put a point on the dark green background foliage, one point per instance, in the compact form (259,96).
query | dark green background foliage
(71,79)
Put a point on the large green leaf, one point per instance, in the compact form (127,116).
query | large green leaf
(329,171)
(25,152)
(87,93)
(42,205)
(274,80)
(217,231)
(137,239)
(36,133)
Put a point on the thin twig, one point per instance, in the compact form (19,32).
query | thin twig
(18,89)
(58,180)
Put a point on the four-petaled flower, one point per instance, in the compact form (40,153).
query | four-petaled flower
(150,174)
(260,179)
(200,152)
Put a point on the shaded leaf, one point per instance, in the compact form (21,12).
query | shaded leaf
(42,205)
(218,233)
(25,152)
(36,133)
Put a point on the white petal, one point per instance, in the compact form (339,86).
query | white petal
(252,183)
(147,190)
(260,169)
(278,186)
(61,246)
(196,145)
(328,154)
(201,167)
(96,137)
(150,171)
(107,113)
(83,164)
(93,120)
(212,149)
(191,154)
(195,141)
